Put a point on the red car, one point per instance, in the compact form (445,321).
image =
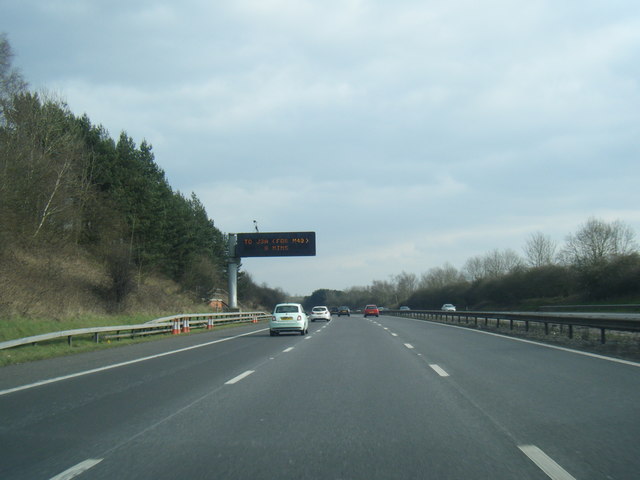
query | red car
(371,310)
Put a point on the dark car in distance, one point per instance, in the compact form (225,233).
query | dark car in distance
(344,311)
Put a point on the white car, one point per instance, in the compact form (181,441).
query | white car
(288,317)
(320,313)
(447,307)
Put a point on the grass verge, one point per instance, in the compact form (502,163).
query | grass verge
(623,345)
(16,328)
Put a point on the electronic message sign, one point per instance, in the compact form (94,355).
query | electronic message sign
(276,244)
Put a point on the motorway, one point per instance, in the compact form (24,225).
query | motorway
(374,398)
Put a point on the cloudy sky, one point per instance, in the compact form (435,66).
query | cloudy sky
(406,133)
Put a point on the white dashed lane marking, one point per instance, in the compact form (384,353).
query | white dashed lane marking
(77,469)
(239,377)
(438,370)
(130,362)
(545,463)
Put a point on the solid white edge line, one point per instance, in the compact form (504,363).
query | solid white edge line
(77,469)
(545,463)
(116,365)
(555,347)
(287,350)
(408,345)
(239,377)
(439,370)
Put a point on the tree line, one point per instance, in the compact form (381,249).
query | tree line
(66,184)
(599,262)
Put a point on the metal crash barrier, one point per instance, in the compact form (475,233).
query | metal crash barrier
(176,325)
(601,322)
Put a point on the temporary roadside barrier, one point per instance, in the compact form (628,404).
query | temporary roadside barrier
(185,325)
(175,329)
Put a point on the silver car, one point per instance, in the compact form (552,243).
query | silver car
(320,313)
(447,307)
(288,317)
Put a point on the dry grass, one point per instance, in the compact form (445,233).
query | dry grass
(48,283)
(55,290)
(60,285)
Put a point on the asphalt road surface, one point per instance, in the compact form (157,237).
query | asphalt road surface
(375,398)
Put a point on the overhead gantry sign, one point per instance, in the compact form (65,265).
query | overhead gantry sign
(276,244)
(268,244)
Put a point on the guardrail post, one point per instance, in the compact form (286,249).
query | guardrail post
(546,328)
(69,340)
(602,337)
(511,324)
(526,325)
(570,331)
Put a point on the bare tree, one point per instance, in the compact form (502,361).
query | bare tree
(474,269)
(383,292)
(11,81)
(42,168)
(492,264)
(497,263)
(598,241)
(439,277)
(406,284)
(540,250)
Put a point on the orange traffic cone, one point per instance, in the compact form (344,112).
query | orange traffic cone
(185,326)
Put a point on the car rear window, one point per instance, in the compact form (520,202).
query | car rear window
(287,309)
